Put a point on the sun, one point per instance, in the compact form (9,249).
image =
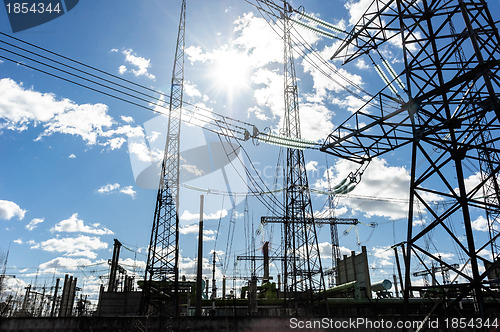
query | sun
(230,74)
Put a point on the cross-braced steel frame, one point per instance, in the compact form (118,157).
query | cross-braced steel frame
(303,273)
(451,53)
(163,255)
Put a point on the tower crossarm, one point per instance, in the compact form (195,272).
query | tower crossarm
(324,221)
(366,134)
(436,270)
(373,28)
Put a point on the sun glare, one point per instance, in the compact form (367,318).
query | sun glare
(231,73)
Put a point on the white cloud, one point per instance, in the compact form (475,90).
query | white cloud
(270,95)
(322,83)
(325,250)
(195,54)
(357,9)
(21,107)
(361,64)
(132,263)
(311,166)
(261,51)
(143,153)
(18,241)
(350,103)
(383,255)
(72,156)
(142,64)
(111,188)
(154,136)
(122,69)
(128,190)
(191,90)
(63,263)
(13,286)
(9,210)
(108,188)
(87,121)
(186,215)
(480,224)
(389,185)
(194,229)
(34,223)
(337,212)
(127,119)
(116,143)
(82,245)
(315,121)
(75,225)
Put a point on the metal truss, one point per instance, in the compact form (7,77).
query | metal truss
(163,255)
(303,273)
(451,121)
(333,222)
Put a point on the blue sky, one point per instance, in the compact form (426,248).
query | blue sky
(71,156)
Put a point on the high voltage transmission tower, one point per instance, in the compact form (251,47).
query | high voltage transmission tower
(450,119)
(303,273)
(162,268)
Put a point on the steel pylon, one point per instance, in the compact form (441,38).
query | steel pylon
(303,273)
(161,281)
(450,119)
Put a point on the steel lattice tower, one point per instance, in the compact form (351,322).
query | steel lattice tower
(163,256)
(303,273)
(451,121)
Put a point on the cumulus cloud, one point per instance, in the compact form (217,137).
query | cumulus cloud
(383,255)
(63,263)
(357,9)
(87,121)
(9,210)
(141,64)
(191,90)
(481,224)
(127,119)
(315,121)
(81,246)
(108,188)
(186,215)
(194,229)
(72,156)
(325,250)
(19,106)
(22,107)
(75,225)
(389,185)
(128,190)
(122,69)
(117,188)
(34,223)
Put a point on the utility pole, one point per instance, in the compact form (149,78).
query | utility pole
(112,286)
(214,287)
(54,300)
(199,267)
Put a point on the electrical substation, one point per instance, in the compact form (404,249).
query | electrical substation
(442,110)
